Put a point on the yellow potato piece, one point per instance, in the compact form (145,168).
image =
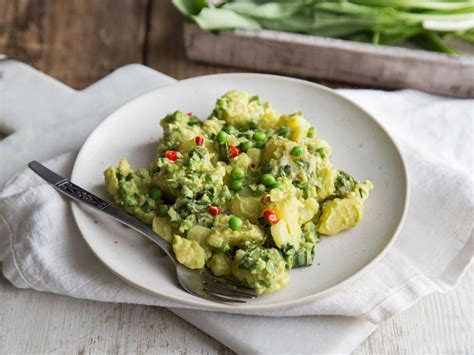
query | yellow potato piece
(246,207)
(288,230)
(200,234)
(220,264)
(307,209)
(111,182)
(162,227)
(188,252)
(326,177)
(340,214)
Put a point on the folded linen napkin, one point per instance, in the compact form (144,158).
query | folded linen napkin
(42,250)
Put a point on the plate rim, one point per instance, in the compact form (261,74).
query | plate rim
(248,307)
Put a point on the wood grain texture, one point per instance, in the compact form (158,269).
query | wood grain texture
(34,322)
(334,59)
(75,41)
(165,48)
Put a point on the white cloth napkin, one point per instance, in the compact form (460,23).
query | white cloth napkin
(40,246)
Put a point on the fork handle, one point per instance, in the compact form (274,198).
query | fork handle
(77,193)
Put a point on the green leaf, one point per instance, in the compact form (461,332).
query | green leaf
(418,4)
(190,7)
(433,42)
(271,10)
(372,21)
(214,19)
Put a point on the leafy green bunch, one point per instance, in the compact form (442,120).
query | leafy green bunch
(426,22)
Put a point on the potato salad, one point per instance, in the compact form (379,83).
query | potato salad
(246,192)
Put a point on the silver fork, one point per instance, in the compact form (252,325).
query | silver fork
(201,283)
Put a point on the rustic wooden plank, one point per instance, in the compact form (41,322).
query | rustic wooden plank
(334,59)
(77,41)
(38,323)
(165,49)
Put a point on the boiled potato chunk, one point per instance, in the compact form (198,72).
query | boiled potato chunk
(222,237)
(287,230)
(111,182)
(238,108)
(188,252)
(246,207)
(200,234)
(298,125)
(326,176)
(220,264)
(162,226)
(343,213)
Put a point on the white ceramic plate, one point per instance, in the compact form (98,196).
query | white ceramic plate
(360,146)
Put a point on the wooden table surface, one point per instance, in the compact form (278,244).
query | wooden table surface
(80,41)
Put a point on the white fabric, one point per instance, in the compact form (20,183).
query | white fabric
(40,246)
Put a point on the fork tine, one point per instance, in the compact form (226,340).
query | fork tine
(224,294)
(248,293)
(228,291)
(213,297)
(216,297)
(228,285)
(228,280)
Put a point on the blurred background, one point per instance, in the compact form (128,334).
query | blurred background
(81,41)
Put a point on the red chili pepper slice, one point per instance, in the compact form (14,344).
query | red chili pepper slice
(266,199)
(171,155)
(233,151)
(199,140)
(271,217)
(189,113)
(214,210)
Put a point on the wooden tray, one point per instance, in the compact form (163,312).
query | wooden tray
(334,59)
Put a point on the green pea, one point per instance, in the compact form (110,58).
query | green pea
(311,132)
(259,144)
(321,152)
(155,193)
(236,185)
(237,173)
(259,136)
(268,180)
(244,146)
(297,151)
(235,223)
(221,137)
